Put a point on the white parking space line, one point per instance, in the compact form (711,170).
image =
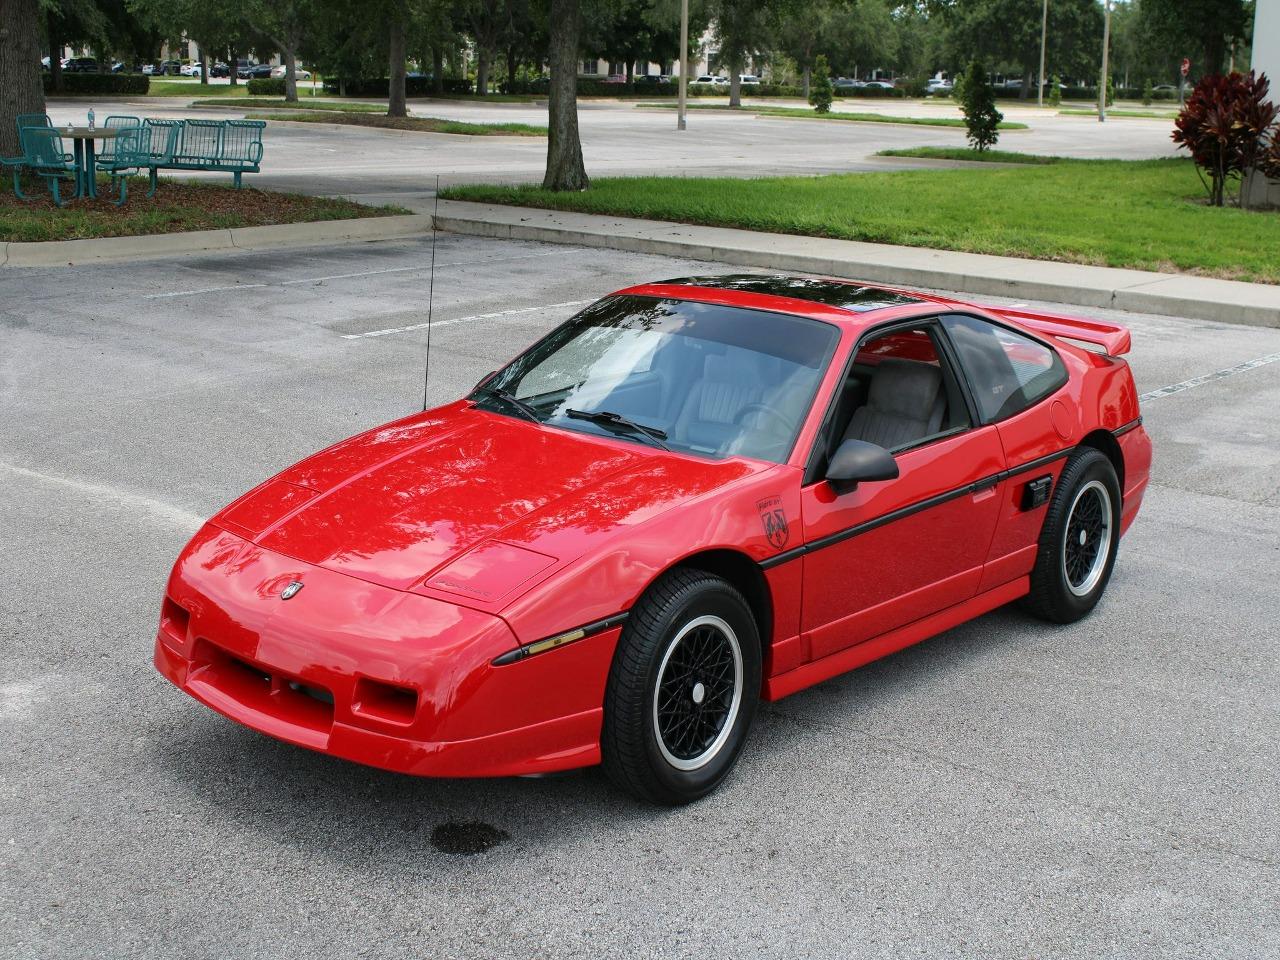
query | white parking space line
(96,493)
(192,293)
(477,316)
(1209,377)
(347,276)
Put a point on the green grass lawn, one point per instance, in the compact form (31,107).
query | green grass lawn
(809,114)
(967,154)
(1112,112)
(419,124)
(178,88)
(1144,214)
(177,206)
(277,103)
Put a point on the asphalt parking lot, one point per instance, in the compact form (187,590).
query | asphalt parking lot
(1007,789)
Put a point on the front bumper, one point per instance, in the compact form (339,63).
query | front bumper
(372,674)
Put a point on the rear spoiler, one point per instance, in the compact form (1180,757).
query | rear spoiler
(1111,337)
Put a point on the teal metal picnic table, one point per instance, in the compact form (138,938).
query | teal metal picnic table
(86,159)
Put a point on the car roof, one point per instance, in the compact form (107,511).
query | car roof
(844,302)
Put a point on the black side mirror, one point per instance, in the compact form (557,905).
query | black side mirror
(856,461)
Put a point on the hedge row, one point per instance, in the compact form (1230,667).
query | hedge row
(598,88)
(130,83)
(381,87)
(266,87)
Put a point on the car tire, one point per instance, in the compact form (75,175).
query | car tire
(682,690)
(1083,520)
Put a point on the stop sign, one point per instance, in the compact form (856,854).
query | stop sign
(1186,66)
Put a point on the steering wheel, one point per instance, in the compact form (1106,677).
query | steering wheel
(758,406)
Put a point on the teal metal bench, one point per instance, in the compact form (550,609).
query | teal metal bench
(16,164)
(230,146)
(45,156)
(130,153)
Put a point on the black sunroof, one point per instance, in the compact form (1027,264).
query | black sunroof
(832,293)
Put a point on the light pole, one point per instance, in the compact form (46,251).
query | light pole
(1044,32)
(684,62)
(1106,44)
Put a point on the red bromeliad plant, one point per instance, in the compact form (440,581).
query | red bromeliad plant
(1225,124)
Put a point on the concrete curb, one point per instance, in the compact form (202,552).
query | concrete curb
(1182,295)
(56,253)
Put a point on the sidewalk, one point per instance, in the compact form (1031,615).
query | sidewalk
(1181,295)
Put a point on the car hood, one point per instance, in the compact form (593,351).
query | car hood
(466,502)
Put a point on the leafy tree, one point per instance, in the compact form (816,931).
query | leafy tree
(21,87)
(1148,93)
(979,106)
(565,169)
(1204,27)
(285,23)
(1007,32)
(822,93)
(1055,91)
(743,29)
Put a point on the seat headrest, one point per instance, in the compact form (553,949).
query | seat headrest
(905,388)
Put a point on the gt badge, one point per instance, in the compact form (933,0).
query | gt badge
(774,521)
(291,590)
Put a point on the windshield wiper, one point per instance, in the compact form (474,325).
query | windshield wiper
(607,418)
(511,400)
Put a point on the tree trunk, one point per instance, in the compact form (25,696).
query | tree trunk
(396,106)
(804,79)
(55,53)
(21,86)
(565,169)
(482,71)
(735,85)
(290,75)
(1026,85)
(204,67)
(513,66)
(437,70)
(233,64)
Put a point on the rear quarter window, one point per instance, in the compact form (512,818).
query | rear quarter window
(1007,370)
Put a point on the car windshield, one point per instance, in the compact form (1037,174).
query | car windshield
(695,377)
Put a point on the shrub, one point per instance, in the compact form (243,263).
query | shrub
(1147,93)
(130,83)
(381,87)
(1111,92)
(821,92)
(1225,124)
(266,87)
(1055,92)
(979,106)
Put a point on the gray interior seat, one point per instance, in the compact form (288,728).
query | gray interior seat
(708,418)
(906,402)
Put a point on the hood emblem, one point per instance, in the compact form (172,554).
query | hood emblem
(291,590)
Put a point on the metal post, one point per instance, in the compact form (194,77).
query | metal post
(1106,43)
(1044,32)
(684,62)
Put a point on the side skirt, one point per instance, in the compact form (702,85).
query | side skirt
(842,661)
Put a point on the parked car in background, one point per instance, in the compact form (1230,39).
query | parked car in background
(80,65)
(219,69)
(847,83)
(938,87)
(709,79)
(749,80)
(652,79)
(190,70)
(298,72)
(261,71)
(170,68)
(149,69)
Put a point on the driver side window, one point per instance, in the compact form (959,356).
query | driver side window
(900,393)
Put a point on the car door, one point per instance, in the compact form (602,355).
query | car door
(1016,384)
(887,553)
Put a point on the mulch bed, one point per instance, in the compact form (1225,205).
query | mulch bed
(177,207)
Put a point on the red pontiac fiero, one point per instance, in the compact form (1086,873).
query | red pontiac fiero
(692,496)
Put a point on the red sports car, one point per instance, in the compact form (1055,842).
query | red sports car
(692,496)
